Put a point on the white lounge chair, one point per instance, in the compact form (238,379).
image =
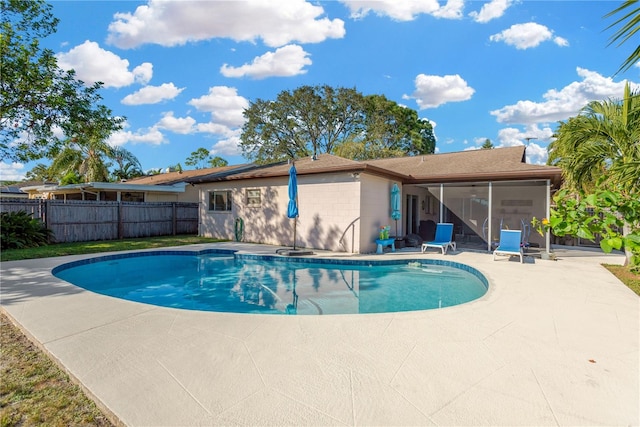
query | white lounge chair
(509,244)
(443,239)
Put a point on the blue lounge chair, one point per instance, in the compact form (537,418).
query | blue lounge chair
(509,244)
(443,239)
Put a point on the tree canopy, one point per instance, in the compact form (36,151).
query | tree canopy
(487,145)
(38,100)
(199,158)
(599,153)
(322,119)
(603,141)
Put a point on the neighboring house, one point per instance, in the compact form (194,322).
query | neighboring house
(165,187)
(12,192)
(343,203)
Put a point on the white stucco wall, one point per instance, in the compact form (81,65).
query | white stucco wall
(329,206)
(190,195)
(376,209)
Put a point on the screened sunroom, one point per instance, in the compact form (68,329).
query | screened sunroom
(479,210)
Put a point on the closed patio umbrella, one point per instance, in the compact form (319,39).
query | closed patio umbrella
(292,208)
(395,205)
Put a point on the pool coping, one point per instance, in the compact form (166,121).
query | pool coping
(521,354)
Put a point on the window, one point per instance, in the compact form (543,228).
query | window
(132,197)
(220,201)
(253,197)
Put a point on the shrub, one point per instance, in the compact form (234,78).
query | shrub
(20,230)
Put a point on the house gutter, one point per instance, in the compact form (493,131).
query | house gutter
(486,176)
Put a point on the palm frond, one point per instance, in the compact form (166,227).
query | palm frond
(630,22)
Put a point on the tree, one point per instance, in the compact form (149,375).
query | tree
(199,158)
(36,96)
(487,145)
(175,168)
(41,172)
(599,153)
(71,177)
(323,119)
(218,162)
(602,212)
(87,153)
(629,26)
(390,130)
(127,164)
(604,139)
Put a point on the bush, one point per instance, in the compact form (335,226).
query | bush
(20,230)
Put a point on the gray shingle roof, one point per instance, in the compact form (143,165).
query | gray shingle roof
(474,165)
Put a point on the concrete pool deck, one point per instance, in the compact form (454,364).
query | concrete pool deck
(551,343)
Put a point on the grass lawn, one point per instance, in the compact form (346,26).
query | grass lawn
(79,248)
(33,391)
(632,280)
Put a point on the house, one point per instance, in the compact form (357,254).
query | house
(165,187)
(343,203)
(12,192)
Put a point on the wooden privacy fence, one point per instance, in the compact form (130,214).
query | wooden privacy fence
(83,221)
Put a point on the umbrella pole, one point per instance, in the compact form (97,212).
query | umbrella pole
(295,220)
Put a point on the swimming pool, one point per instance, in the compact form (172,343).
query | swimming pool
(223,281)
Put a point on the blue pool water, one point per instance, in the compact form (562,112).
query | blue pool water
(224,282)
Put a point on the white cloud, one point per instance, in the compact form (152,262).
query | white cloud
(150,136)
(228,147)
(525,36)
(492,10)
(152,94)
(12,171)
(171,23)
(451,10)
(433,91)
(404,10)
(94,64)
(182,126)
(213,128)
(536,152)
(564,103)
(224,104)
(286,61)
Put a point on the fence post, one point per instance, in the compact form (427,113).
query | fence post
(174,214)
(44,212)
(120,222)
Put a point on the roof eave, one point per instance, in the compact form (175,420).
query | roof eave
(553,175)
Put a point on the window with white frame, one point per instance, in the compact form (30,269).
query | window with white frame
(220,201)
(253,197)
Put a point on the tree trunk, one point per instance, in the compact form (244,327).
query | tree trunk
(626,230)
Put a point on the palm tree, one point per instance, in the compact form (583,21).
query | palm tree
(602,141)
(600,150)
(630,22)
(86,153)
(128,165)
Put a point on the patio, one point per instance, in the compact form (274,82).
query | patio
(551,343)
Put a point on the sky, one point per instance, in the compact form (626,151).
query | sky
(182,72)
